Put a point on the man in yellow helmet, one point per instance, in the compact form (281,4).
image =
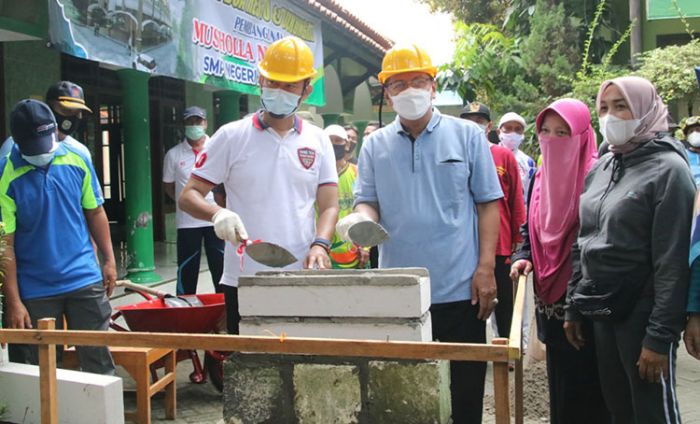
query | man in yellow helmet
(430,181)
(274,169)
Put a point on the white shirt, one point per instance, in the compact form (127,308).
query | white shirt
(271,182)
(527,168)
(177,167)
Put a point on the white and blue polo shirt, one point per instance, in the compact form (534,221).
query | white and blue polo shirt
(44,210)
(271,182)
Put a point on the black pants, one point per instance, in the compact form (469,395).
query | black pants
(189,251)
(504,288)
(629,398)
(575,395)
(233,318)
(457,322)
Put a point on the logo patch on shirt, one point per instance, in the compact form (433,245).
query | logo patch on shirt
(201,160)
(307,157)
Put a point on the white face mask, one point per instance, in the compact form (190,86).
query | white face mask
(694,139)
(483,127)
(40,161)
(279,103)
(412,103)
(511,140)
(618,131)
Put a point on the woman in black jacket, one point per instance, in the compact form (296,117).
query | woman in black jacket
(632,277)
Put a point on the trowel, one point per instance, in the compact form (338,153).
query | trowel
(168,299)
(266,253)
(367,233)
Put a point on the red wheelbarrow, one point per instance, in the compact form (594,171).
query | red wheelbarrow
(202,313)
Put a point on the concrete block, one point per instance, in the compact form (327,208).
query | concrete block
(404,329)
(389,293)
(409,392)
(253,391)
(82,397)
(326,394)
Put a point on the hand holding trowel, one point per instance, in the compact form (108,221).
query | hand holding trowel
(228,226)
(361,230)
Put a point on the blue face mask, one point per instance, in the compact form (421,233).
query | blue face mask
(41,160)
(194,132)
(279,103)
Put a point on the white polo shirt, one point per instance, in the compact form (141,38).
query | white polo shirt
(271,182)
(177,167)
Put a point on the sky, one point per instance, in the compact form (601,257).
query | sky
(407,21)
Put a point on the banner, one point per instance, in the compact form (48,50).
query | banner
(666,9)
(214,42)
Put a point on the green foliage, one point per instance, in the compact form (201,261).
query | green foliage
(550,54)
(671,69)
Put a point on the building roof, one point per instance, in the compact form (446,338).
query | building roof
(333,12)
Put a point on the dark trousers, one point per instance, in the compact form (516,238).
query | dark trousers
(84,309)
(189,251)
(504,288)
(575,395)
(233,318)
(629,398)
(457,322)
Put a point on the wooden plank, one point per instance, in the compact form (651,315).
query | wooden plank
(47,376)
(516,326)
(259,344)
(518,401)
(501,392)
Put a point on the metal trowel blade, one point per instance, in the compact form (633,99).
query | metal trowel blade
(270,254)
(368,234)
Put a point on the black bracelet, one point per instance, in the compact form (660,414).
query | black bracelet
(324,243)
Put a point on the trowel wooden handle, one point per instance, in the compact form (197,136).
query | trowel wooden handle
(138,287)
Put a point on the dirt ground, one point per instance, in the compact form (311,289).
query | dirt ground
(535,393)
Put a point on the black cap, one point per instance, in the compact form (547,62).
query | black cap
(33,127)
(476,108)
(194,111)
(68,94)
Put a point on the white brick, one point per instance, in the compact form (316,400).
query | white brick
(389,293)
(81,397)
(341,328)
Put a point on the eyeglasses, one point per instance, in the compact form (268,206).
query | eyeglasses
(395,87)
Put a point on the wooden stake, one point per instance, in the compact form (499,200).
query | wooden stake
(501,392)
(47,376)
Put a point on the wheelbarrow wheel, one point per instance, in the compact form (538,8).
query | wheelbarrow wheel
(214,364)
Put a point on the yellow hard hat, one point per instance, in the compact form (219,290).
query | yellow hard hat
(288,59)
(406,58)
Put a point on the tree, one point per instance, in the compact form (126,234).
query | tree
(671,69)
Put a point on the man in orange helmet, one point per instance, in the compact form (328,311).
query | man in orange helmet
(430,181)
(274,169)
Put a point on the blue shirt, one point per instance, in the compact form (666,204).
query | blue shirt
(694,160)
(427,191)
(44,210)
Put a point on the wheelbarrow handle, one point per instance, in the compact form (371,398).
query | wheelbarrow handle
(145,289)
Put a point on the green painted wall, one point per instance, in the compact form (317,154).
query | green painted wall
(30,67)
(651,29)
(196,95)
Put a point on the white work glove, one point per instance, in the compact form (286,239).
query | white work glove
(228,226)
(343,225)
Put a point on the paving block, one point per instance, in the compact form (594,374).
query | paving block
(409,392)
(403,329)
(336,293)
(327,394)
(81,397)
(253,391)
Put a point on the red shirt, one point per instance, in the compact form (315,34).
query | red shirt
(511,206)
